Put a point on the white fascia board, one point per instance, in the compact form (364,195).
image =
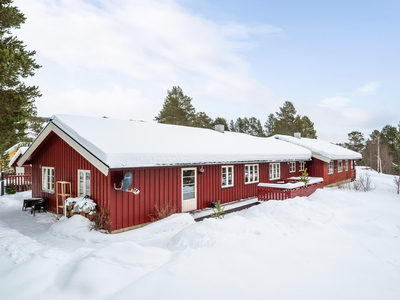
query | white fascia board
(321,157)
(82,151)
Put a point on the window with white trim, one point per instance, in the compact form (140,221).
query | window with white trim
(302,166)
(340,166)
(251,173)
(346,165)
(352,164)
(274,171)
(83,183)
(330,168)
(48,179)
(292,167)
(227,176)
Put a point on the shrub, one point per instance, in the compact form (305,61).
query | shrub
(163,212)
(102,221)
(11,189)
(304,177)
(363,183)
(218,211)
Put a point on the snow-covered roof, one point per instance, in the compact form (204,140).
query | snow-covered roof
(122,144)
(321,149)
(17,154)
(16,146)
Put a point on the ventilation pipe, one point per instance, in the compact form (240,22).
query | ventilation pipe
(219,128)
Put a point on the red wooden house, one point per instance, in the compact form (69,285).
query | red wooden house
(185,167)
(335,164)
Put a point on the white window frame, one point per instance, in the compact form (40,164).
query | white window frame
(225,184)
(252,172)
(274,171)
(330,167)
(84,192)
(339,166)
(346,165)
(292,167)
(352,164)
(302,166)
(48,179)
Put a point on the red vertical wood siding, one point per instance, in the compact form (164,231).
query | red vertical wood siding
(163,186)
(319,168)
(66,162)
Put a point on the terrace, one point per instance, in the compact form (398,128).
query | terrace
(289,188)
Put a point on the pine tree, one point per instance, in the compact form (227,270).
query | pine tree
(255,127)
(232,126)
(285,121)
(17,101)
(177,109)
(356,141)
(270,125)
(308,130)
(202,120)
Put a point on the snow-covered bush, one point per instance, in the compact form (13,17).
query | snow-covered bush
(363,183)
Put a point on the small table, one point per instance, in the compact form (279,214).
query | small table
(30,202)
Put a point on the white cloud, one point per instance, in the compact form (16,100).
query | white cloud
(148,45)
(368,89)
(115,102)
(334,102)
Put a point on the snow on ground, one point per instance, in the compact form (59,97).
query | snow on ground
(335,244)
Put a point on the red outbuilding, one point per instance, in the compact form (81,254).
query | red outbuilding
(184,167)
(335,164)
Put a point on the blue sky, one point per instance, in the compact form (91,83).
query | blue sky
(337,61)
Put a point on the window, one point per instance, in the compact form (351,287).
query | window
(274,171)
(250,173)
(346,165)
(302,166)
(227,176)
(83,183)
(352,166)
(330,168)
(339,166)
(48,179)
(292,167)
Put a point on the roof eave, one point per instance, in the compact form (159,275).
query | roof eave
(51,127)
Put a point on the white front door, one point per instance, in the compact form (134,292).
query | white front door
(189,190)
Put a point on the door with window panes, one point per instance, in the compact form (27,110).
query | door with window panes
(83,183)
(189,190)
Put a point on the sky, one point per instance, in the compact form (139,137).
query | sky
(336,61)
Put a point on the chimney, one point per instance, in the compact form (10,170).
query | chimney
(297,135)
(219,128)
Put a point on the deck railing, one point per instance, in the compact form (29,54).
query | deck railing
(22,181)
(289,189)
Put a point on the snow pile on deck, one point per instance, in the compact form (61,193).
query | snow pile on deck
(139,144)
(334,244)
(323,148)
(293,185)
